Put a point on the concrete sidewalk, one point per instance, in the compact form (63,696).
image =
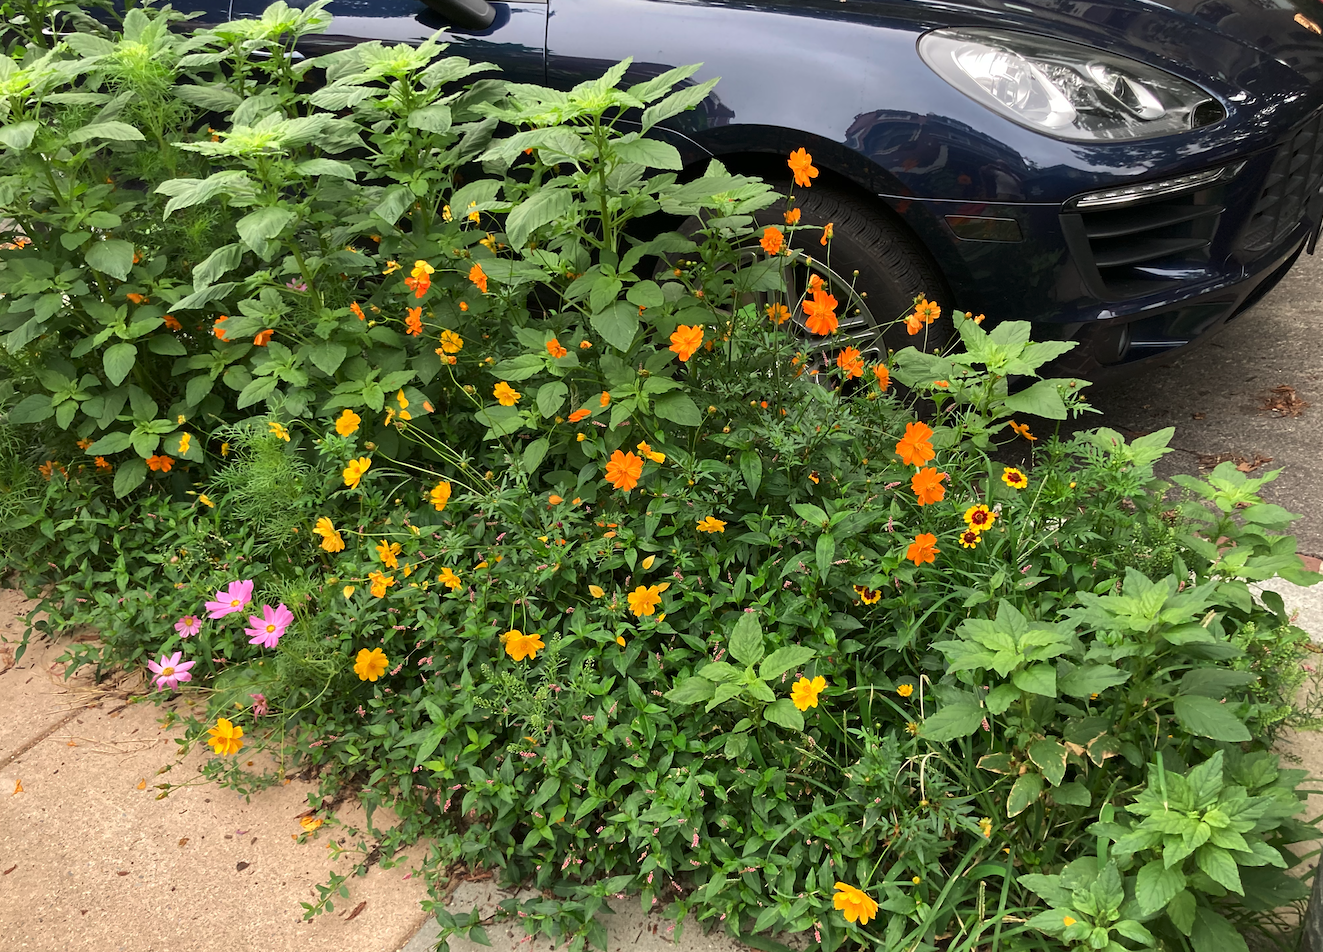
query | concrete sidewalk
(91,860)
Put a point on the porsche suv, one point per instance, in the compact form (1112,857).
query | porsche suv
(1125,173)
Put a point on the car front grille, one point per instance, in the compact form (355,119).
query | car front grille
(1294,178)
(1127,251)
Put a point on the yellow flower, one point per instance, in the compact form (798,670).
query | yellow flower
(912,728)
(979,517)
(370,665)
(1014,478)
(206,501)
(648,562)
(711,524)
(620,640)
(355,470)
(985,827)
(332,541)
(596,591)
(387,552)
(451,343)
(804,693)
(225,449)
(449,579)
(279,430)
(643,601)
(310,824)
(646,450)
(905,690)
(1067,921)
(391,267)
(380,583)
(869,596)
(225,737)
(347,423)
(854,903)
(520,646)
(183,444)
(440,495)
(347,591)
(506,395)
(916,880)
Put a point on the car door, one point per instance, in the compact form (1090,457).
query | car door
(515,40)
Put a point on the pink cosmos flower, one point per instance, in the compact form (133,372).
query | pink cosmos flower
(266,631)
(259,704)
(188,625)
(170,671)
(230,600)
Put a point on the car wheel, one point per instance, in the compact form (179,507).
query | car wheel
(873,267)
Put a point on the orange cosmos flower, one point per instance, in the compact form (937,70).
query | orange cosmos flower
(851,362)
(820,312)
(855,904)
(160,464)
(505,394)
(772,239)
(927,486)
(1023,430)
(623,470)
(927,311)
(913,324)
(478,277)
(263,337)
(358,311)
(136,298)
(451,342)
(914,448)
(216,327)
(827,233)
(172,323)
(605,399)
(103,464)
(579,414)
(686,340)
(923,549)
(413,321)
(556,349)
(801,163)
(791,216)
(883,376)
(778,314)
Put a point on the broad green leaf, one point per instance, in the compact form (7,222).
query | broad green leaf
(111,131)
(327,356)
(1157,886)
(1208,718)
(118,360)
(1040,399)
(433,118)
(751,466)
(676,103)
(534,453)
(1072,794)
(1219,866)
(784,659)
(645,294)
(129,476)
(333,167)
(691,691)
(258,228)
(1212,933)
(112,257)
(551,397)
(746,641)
(18,136)
(1050,756)
(1026,789)
(1037,679)
(115,442)
(618,324)
(678,408)
(651,153)
(825,552)
(1090,679)
(1181,911)
(500,420)
(33,408)
(784,713)
(223,259)
(541,208)
(952,721)
(257,390)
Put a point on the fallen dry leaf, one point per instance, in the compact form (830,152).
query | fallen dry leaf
(1199,416)
(183,841)
(1283,401)
(18,787)
(1210,460)
(357,909)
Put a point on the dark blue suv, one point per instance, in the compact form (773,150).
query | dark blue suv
(1125,173)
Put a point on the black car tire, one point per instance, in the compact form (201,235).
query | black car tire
(1314,916)
(891,267)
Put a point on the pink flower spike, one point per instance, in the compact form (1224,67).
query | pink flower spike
(266,631)
(188,625)
(230,600)
(170,671)
(259,704)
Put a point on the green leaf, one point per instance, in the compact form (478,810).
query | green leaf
(746,641)
(223,259)
(952,721)
(111,131)
(112,257)
(433,118)
(551,397)
(257,391)
(115,442)
(1208,718)
(1072,794)
(678,408)
(645,294)
(1157,886)
(691,691)
(1026,789)
(258,228)
(1040,399)
(784,713)
(1219,866)
(499,420)
(118,360)
(33,408)
(811,514)
(618,324)
(1050,756)
(541,208)
(327,356)
(1181,911)
(751,466)
(18,136)
(825,551)
(1212,933)
(332,167)
(1037,679)
(651,153)
(534,454)
(784,659)
(1090,679)
(129,477)
(676,103)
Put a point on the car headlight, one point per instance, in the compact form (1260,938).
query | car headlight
(1064,89)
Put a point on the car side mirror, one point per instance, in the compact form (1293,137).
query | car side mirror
(474,14)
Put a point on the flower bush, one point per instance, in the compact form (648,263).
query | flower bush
(475,455)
